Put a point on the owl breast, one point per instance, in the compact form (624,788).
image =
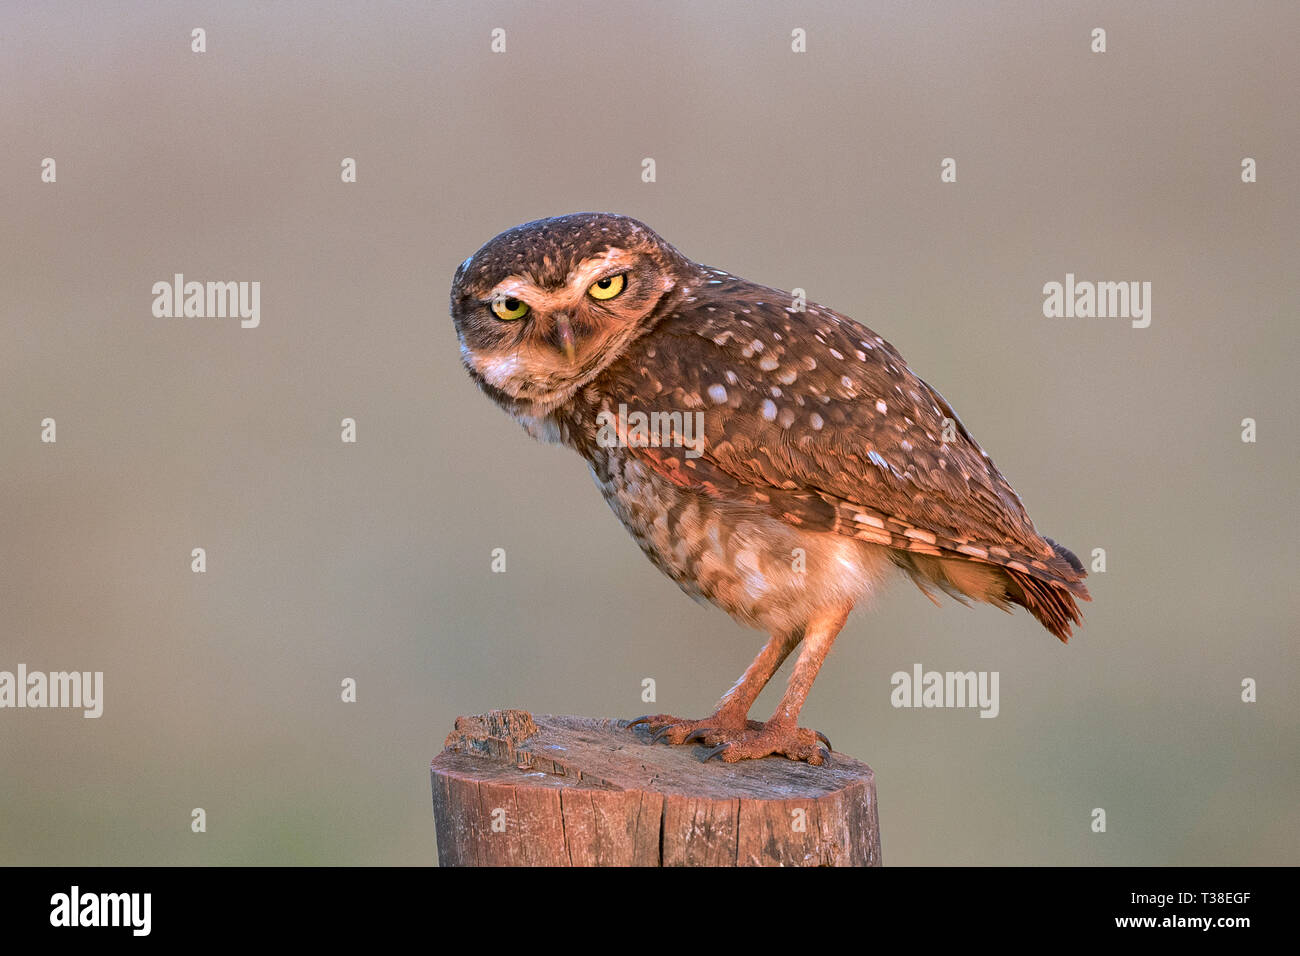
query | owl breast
(760,570)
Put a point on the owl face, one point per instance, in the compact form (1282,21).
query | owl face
(544,307)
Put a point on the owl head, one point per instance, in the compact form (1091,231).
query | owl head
(544,307)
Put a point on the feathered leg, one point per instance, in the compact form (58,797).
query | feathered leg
(730,716)
(782,733)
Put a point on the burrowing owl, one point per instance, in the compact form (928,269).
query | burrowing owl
(773,457)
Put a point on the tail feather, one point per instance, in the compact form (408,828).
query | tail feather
(1067,555)
(1049,592)
(1051,603)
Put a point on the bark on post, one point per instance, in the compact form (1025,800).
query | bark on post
(509,790)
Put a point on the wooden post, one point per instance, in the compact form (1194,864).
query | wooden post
(509,790)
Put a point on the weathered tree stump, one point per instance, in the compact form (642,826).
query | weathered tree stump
(574,791)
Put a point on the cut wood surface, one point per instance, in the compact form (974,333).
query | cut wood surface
(513,790)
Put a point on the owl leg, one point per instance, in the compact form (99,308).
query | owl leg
(729,718)
(782,733)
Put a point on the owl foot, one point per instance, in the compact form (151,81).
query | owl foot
(710,730)
(797,743)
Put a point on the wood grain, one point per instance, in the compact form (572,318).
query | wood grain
(513,790)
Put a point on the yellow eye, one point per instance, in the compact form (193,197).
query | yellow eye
(607,287)
(509,308)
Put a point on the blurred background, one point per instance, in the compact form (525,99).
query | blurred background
(818,170)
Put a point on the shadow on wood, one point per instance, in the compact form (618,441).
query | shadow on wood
(509,790)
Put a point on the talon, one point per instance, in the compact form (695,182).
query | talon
(826,754)
(639,721)
(697,734)
(824,739)
(715,751)
(661,733)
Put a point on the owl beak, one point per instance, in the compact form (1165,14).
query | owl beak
(565,333)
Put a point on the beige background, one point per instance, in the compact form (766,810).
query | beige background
(820,171)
